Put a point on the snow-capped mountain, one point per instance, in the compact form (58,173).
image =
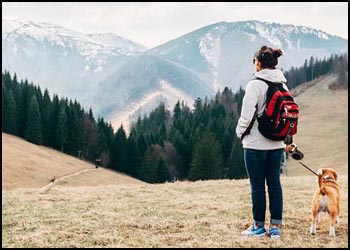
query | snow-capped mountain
(120,80)
(67,62)
(224,51)
(214,56)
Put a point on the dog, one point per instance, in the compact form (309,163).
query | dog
(326,199)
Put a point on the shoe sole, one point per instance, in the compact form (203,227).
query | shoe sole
(254,235)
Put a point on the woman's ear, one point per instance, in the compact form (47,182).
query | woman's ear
(257,65)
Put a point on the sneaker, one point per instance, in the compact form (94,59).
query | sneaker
(253,231)
(275,232)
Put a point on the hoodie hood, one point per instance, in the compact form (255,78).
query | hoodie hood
(272,75)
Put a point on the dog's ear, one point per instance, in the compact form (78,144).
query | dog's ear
(335,175)
(319,172)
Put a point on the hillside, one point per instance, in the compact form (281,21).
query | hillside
(218,55)
(180,214)
(127,75)
(26,165)
(323,127)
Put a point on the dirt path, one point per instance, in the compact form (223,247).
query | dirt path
(47,187)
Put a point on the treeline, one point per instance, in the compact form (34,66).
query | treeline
(196,144)
(190,144)
(193,144)
(55,122)
(313,68)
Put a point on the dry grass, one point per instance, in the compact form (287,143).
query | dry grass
(323,127)
(181,214)
(26,165)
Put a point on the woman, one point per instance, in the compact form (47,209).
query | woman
(262,156)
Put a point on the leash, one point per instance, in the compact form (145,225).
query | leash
(308,168)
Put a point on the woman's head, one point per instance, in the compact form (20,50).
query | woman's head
(266,58)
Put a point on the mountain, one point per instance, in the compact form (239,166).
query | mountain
(215,56)
(121,80)
(142,83)
(67,62)
(223,51)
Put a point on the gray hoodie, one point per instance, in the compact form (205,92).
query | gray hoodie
(255,93)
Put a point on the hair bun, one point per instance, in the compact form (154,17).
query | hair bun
(277,53)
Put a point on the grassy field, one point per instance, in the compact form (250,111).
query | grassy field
(26,165)
(323,127)
(180,214)
(88,207)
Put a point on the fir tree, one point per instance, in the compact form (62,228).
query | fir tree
(119,153)
(12,114)
(206,163)
(72,131)
(236,162)
(45,117)
(163,173)
(61,131)
(33,131)
(148,170)
(133,156)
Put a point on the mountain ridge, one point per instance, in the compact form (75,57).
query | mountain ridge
(210,58)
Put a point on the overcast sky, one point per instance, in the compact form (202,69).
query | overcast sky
(153,23)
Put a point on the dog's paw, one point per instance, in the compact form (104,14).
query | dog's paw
(337,220)
(331,231)
(313,229)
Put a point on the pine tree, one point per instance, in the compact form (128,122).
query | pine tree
(53,140)
(226,146)
(5,114)
(12,114)
(45,118)
(206,163)
(23,107)
(119,153)
(148,170)
(133,155)
(33,131)
(163,173)
(72,143)
(61,131)
(142,145)
(236,162)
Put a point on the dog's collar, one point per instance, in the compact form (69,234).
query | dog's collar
(327,179)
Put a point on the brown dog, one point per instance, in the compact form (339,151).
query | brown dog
(326,199)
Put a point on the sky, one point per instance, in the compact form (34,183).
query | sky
(154,23)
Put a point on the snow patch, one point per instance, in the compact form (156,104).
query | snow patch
(252,37)
(98,69)
(209,45)
(268,34)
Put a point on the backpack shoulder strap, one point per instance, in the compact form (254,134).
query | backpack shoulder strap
(269,83)
(247,131)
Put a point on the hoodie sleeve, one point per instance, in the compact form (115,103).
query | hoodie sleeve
(250,100)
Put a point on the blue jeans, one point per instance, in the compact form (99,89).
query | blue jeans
(264,165)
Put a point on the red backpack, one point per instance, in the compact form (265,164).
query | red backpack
(279,120)
(280,116)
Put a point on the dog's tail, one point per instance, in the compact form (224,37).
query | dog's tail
(323,191)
